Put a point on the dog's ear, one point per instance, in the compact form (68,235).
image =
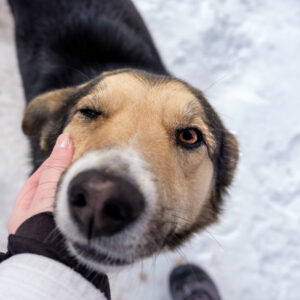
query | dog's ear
(46,115)
(41,110)
(226,165)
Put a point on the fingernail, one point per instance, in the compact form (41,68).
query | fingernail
(63,141)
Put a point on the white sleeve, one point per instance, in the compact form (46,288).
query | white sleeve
(35,277)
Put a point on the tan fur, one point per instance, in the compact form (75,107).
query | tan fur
(144,111)
(136,113)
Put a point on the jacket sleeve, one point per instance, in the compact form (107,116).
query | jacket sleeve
(35,277)
(38,261)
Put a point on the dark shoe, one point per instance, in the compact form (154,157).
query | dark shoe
(189,282)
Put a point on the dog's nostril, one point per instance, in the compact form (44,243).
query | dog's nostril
(111,202)
(78,198)
(115,211)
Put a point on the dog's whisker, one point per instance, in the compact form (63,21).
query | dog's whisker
(226,76)
(74,69)
(52,235)
(214,239)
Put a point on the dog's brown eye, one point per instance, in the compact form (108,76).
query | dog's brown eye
(189,137)
(90,113)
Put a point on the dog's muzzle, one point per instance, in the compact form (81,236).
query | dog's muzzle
(103,204)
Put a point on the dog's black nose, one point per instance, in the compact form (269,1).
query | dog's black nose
(102,204)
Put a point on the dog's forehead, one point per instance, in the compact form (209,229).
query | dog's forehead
(150,98)
(127,90)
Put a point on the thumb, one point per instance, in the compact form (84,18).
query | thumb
(59,160)
(62,154)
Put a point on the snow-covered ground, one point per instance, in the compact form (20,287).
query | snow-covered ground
(245,56)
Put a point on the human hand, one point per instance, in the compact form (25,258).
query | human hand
(38,193)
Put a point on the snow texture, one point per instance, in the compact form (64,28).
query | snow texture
(245,56)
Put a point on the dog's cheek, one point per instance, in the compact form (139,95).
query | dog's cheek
(79,137)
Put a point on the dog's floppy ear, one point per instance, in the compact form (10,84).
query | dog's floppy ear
(46,115)
(226,165)
(225,162)
(41,110)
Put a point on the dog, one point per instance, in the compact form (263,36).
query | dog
(152,158)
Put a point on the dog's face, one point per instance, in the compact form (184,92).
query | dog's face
(152,161)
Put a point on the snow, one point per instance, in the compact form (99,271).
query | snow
(245,56)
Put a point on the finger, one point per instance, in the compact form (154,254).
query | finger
(23,201)
(28,190)
(59,160)
(62,153)
(29,202)
(35,177)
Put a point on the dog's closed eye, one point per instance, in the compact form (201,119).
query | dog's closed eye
(89,113)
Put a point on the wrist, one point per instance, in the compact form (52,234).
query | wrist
(39,235)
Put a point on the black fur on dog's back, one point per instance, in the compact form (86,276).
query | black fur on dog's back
(64,43)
